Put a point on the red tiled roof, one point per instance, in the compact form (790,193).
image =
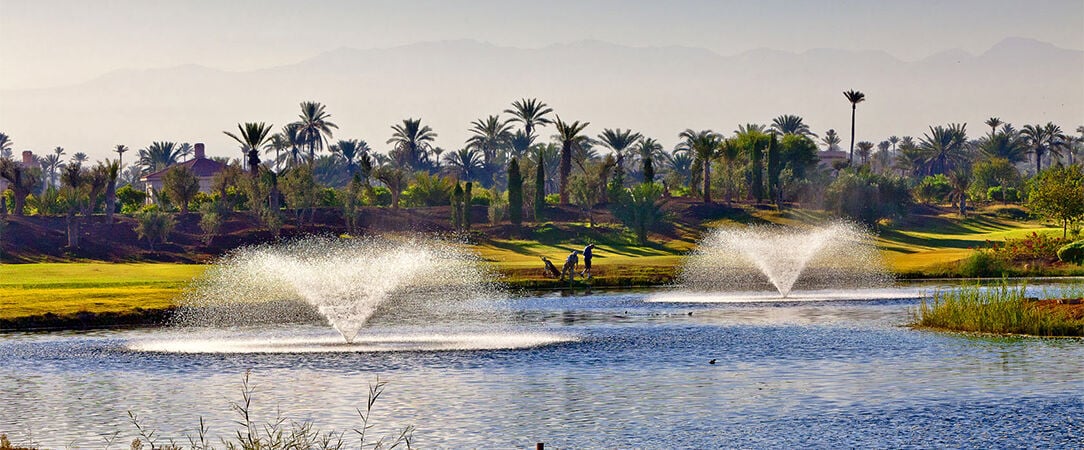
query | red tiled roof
(202,167)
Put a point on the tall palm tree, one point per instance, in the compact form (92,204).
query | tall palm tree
(412,142)
(791,124)
(993,123)
(252,137)
(531,113)
(467,163)
(80,158)
(5,146)
(352,152)
(1006,144)
(831,140)
(619,140)
(277,143)
(489,136)
(960,181)
(184,151)
(855,97)
(120,149)
(865,149)
(649,150)
(944,147)
(705,145)
(570,137)
(314,128)
(1043,139)
(158,156)
(295,142)
(50,164)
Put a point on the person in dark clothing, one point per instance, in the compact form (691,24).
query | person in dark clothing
(570,265)
(588,253)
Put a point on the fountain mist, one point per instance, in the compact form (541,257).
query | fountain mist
(839,255)
(346,282)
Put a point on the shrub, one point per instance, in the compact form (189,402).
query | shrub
(982,263)
(378,196)
(154,226)
(638,209)
(933,189)
(210,221)
(1034,247)
(428,190)
(553,199)
(1072,252)
(867,197)
(498,208)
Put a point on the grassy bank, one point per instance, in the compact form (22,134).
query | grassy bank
(1003,310)
(61,294)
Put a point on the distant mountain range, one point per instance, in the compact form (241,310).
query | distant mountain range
(656,90)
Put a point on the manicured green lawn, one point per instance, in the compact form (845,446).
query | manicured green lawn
(68,288)
(945,240)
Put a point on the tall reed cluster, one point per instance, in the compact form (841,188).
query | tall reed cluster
(1002,310)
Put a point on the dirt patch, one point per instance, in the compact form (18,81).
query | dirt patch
(1074,307)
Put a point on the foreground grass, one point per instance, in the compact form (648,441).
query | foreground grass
(66,289)
(1000,310)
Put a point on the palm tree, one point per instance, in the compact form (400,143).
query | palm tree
(158,156)
(531,113)
(730,154)
(5,146)
(791,124)
(252,137)
(490,135)
(412,141)
(120,149)
(314,128)
(277,143)
(1043,139)
(50,164)
(619,140)
(79,158)
(705,145)
(649,150)
(353,152)
(291,136)
(568,134)
(184,151)
(865,149)
(680,162)
(993,123)
(21,179)
(1006,144)
(831,140)
(468,163)
(855,97)
(944,147)
(960,180)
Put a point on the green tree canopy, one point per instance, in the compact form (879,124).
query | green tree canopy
(1058,194)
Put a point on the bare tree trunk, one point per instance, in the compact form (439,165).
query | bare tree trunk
(565,171)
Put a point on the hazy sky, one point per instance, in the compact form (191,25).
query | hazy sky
(47,43)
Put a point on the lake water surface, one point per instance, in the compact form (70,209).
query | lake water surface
(612,370)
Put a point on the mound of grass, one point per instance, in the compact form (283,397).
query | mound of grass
(68,289)
(997,310)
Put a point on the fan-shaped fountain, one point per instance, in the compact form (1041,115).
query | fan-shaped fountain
(431,294)
(757,258)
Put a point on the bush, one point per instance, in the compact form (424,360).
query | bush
(1072,253)
(867,197)
(154,226)
(210,221)
(638,209)
(933,189)
(982,263)
(1009,194)
(553,199)
(1034,247)
(428,190)
(378,196)
(498,208)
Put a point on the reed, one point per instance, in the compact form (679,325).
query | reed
(1002,309)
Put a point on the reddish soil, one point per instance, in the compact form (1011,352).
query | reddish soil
(1073,307)
(44,239)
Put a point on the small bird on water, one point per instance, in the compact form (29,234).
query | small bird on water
(712,361)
